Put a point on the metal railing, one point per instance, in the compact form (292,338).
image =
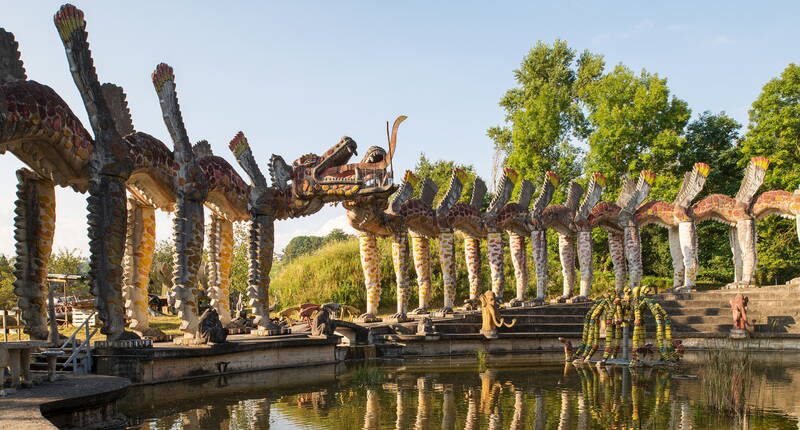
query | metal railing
(83,366)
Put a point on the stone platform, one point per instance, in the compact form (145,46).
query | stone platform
(242,353)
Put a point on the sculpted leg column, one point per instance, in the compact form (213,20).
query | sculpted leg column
(220,253)
(422,265)
(688,239)
(633,254)
(34,225)
(519,259)
(472,255)
(140,243)
(447,251)
(746,233)
(616,248)
(494,243)
(675,252)
(188,233)
(370,264)
(107,221)
(262,243)
(585,263)
(566,252)
(400,262)
(539,250)
(736,250)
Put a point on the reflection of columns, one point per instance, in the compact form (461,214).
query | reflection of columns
(472,422)
(472,255)
(566,412)
(494,244)
(34,225)
(372,414)
(214,417)
(447,260)
(422,265)
(518,422)
(616,248)
(687,420)
(496,417)
(583,412)
(519,258)
(448,408)
(140,242)
(675,252)
(261,414)
(400,410)
(540,421)
(566,253)
(218,267)
(423,404)
(539,250)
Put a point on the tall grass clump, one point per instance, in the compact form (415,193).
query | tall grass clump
(368,376)
(727,380)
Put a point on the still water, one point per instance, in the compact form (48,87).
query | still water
(516,392)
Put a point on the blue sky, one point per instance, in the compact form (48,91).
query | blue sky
(297,75)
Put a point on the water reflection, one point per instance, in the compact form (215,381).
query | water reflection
(428,397)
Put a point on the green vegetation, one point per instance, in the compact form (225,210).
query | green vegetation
(368,375)
(727,379)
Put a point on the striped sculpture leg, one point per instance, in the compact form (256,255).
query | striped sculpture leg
(262,244)
(140,242)
(370,264)
(539,250)
(616,247)
(519,258)
(633,255)
(736,250)
(472,256)
(688,239)
(566,252)
(421,252)
(220,235)
(34,225)
(400,262)
(494,244)
(585,263)
(447,260)
(746,235)
(676,253)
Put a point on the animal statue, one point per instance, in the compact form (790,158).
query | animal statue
(677,218)
(737,213)
(419,219)
(515,219)
(445,234)
(490,321)
(210,327)
(539,234)
(739,311)
(302,189)
(425,326)
(569,350)
(465,218)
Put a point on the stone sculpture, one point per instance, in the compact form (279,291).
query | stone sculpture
(739,311)
(539,234)
(678,219)
(515,219)
(323,324)
(490,320)
(210,327)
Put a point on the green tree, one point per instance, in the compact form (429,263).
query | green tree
(544,112)
(68,261)
(774,132)
(7,298)
(301,245)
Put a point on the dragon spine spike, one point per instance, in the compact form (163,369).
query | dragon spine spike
(599,179)
(626,192)
(525,193)
(11,66)
(402,195)
(574,195)
(118,105)
(453,193)
(762,162)
(68,20)
(411,178)
(238,144)
(753,178)
(552,177)
(461,174)
(478,193)
(502,193)
(162,75)
(429,190)
(512,174)
(647,176)
(202,149)
(702,168)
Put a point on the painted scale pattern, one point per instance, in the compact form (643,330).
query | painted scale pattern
(447,259)
(223,304)
(687,238)
(539,251)
(519,258)
(422,265)
(188,238)
(140,244)
(472,256)
(34,225)
(370,264)
(633,255)
(400,263)
(585,262)
(616,247)
(566,253)
(262,232)
(494,245)
(678,271)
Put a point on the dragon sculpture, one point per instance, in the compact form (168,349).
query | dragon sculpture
(677,218)
(302,189)
(782,203)
(515,219)
(445,234)
(737,213)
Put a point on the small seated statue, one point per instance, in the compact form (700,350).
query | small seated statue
(323,322)
(211,329)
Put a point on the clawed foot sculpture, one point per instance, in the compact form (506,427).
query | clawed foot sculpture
(516,303)
(562,299)
(368,318)
(538,301)
(445,311)
(578,299)
(471,304)
(419,311)
(399,317)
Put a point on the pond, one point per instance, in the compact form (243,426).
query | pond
(480,392)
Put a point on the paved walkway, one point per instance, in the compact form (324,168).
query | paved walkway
(23,409)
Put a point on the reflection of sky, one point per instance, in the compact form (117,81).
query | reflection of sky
(295,76)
